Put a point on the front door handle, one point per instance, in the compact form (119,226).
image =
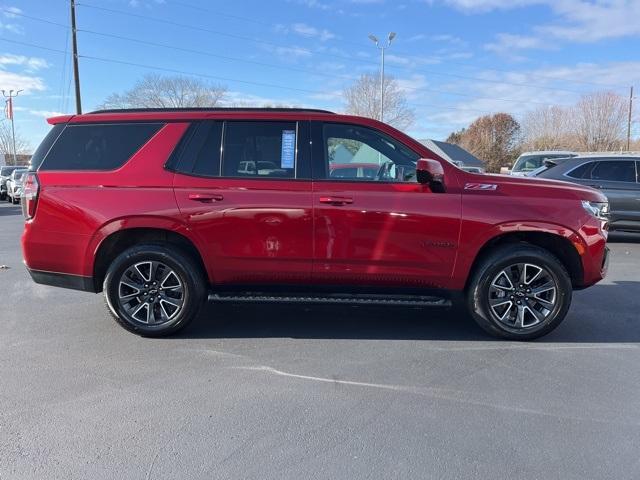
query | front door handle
(206,197)
(337,201)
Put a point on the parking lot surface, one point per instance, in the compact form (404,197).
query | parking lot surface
(291,392)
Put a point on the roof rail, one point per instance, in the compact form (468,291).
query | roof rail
(210,109)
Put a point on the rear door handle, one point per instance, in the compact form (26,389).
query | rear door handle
(206,197)
(337,201)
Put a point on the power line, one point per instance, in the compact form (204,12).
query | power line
(184,72)
(344,57)
(302,70)
(405,54)
(250,82)
(311,52)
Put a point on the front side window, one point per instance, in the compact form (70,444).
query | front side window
(97,146)
(355,153)
(615,171)
(260,149)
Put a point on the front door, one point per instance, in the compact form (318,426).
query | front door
(243,188)
(374,224)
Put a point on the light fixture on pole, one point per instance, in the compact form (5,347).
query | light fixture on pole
(382,48)
(9,114)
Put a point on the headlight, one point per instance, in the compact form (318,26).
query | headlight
(597,209)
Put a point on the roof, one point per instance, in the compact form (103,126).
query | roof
(548,152)
(208,109)
(452,153)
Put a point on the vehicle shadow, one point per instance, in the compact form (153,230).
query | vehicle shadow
(590,320)
(10,210)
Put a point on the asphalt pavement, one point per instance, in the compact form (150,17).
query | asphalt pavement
(295,392)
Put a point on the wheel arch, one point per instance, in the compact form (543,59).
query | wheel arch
(563,247)
(115,241)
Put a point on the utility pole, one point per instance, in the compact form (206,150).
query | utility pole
(9,114)
(629,121)
(74,42)
(382,48)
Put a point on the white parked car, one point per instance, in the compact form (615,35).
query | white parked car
(530,161)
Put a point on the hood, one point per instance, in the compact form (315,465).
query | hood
(534,187)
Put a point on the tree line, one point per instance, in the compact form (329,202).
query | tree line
(597,122)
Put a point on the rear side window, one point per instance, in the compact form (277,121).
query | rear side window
(97,146)
(583,171)
(45,145)
(615,171)
(260,149)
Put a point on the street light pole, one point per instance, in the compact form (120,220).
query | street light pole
(382,48)
(9,113)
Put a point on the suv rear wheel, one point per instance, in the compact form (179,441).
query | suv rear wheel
(154,291)
(519,292)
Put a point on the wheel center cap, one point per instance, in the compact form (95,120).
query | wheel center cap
(153,291)
(519,293)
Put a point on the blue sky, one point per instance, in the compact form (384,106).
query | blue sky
(455,59)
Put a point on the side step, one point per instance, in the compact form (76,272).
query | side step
(339,299)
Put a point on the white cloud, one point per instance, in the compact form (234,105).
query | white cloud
(580,21)
(18,81)
(30,63)
(309,31)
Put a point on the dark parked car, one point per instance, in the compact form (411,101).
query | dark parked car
(617,176)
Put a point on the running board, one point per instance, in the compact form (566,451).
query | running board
(340,299)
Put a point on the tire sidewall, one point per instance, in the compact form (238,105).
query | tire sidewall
(184,268)
(479,299)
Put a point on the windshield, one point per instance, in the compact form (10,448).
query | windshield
(6,171)
(527,163)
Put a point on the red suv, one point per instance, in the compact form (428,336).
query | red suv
(161,209)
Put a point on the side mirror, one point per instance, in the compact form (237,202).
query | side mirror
(430,172)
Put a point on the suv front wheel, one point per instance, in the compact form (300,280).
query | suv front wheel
(519,292)
(154,291)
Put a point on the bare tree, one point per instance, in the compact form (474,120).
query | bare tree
(363,98)
(549,128)
(600,122)
(492,138)
(156,91)
(6,142)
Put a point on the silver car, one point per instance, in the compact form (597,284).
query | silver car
(14,185)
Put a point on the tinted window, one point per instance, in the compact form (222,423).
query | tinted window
(531,162)
(45,145)
(259,149)
(616,171)
(97,147)
(357,153)
(583,171)
(199,150)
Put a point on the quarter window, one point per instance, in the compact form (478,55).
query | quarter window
(355,153)
(96,146)
(260,149)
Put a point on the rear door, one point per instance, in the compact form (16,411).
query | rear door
(379,228)
(618,179)
(244,188)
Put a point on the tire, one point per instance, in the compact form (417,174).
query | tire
(152,311)
(3,196)
(517,310)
